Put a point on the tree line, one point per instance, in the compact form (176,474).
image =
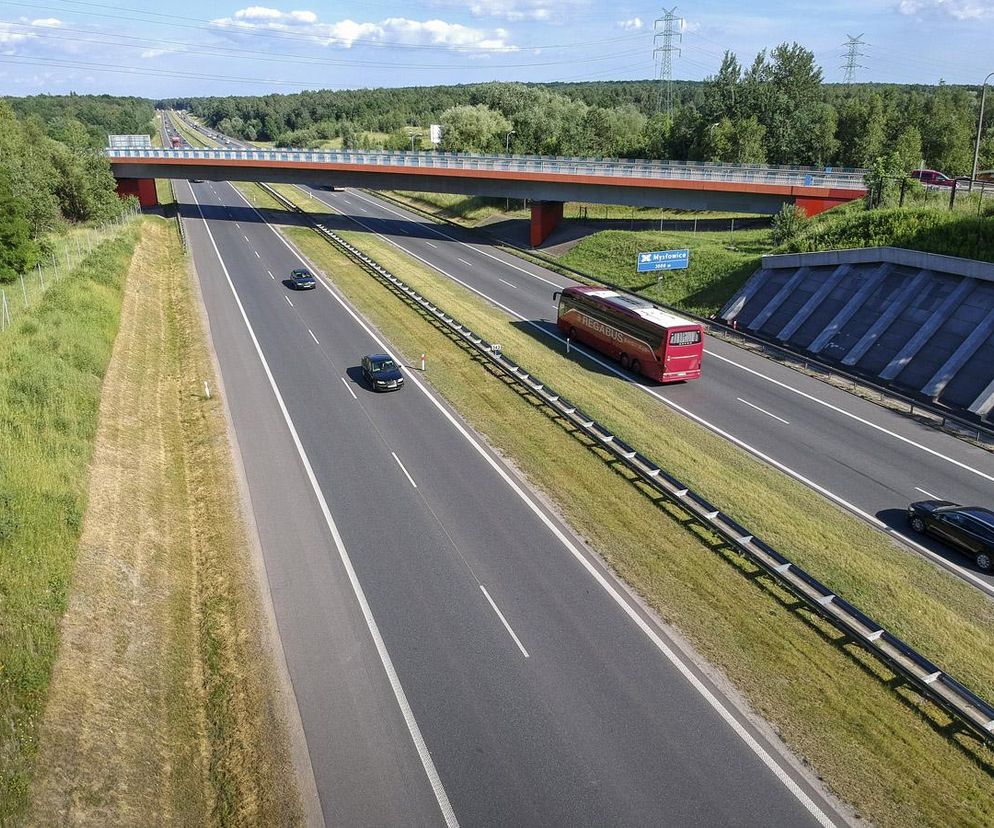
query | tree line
(52,172)
(776,110)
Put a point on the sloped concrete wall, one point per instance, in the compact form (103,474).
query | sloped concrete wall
(921,322)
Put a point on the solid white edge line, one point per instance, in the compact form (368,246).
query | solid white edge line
(407,474)
(503,621)
(405,708)
(763,410)
(855,417)
(671,655)
(313,337)
(354,397)
(927,494)
(873,520)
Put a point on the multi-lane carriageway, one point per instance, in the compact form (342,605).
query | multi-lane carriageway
(455,653)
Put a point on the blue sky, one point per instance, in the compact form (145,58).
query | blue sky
(196,48)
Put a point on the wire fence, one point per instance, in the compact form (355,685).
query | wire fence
(65,255)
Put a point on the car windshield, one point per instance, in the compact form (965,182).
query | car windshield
(384,365)
(301,274)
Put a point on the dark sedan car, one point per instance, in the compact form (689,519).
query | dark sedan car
(969,528)
(302,279)
(382,373)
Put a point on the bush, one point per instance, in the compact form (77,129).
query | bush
(788,224)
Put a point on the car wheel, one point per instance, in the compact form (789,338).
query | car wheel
(918,525)
(984,562)
(636,367)
(623,359)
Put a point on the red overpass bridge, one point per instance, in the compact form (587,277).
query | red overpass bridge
(547,182)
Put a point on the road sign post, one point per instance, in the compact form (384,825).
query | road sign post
(663,260)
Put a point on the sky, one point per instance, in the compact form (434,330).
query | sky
(185,47)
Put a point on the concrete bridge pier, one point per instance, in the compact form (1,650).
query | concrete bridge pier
(545,217)
(142,188)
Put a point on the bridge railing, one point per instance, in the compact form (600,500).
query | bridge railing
(549,165)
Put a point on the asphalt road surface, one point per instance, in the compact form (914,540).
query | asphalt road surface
(865,458)
(456,654)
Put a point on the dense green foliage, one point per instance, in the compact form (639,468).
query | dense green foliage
(775,111)
(52,362)
(51,173)
(86,120)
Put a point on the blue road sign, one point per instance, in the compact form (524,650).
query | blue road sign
(664,260)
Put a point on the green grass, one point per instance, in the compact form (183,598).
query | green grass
(719,264)
(52,362)
(869,740)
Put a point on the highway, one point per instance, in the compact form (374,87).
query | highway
(456,654)
(865,458)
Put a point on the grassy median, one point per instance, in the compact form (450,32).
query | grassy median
(876,744)
(162,707)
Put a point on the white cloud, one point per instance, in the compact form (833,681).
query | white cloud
(957,9)
(631,25)
(345,33)
(551,11)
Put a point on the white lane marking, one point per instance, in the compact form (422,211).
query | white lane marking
(245,237)
(402,230)
(405,708)
(271,275)
(288,301)
(503,621)
(873,520)
(313,337)
(927,494)
(767,413)
(354,397)
(648,630)
(407,474)
(364,209)
(431,244)
(467,245)
(344,199)
(507,283)
(257,254)
(236,223)
(855,417)
(468,264)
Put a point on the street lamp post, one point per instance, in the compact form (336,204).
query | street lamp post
(980,129)
(507,151)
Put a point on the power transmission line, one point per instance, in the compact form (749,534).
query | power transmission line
(853,54)
(669,22)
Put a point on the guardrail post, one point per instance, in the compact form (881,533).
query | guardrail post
(422,362)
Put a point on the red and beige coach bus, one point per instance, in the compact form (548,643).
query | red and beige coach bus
(643,338)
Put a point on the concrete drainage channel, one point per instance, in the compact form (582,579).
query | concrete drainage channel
(974,713)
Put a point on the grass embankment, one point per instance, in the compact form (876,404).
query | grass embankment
(950,233)
(875,743)
(162,706)
(52,361)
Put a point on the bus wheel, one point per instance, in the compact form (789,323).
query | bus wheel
(623,359)
(636,367)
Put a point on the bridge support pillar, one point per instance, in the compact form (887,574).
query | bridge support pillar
(545,217)
(141,188)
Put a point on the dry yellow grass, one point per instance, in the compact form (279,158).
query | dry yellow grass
(161,707)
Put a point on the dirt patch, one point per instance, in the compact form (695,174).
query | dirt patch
(161,707)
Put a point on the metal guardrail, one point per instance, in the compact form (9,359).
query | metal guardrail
(622,169)
(962,704)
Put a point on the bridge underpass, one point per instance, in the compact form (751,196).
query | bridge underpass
(546,182)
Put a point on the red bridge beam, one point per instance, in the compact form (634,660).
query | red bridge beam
(545,217)
(141,188)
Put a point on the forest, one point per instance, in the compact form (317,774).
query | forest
(776,110)
(52,171)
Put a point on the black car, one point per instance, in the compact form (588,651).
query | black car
(302,279)
(969,528)
(382,373)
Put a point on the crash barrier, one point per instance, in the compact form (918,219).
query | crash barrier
(962,704)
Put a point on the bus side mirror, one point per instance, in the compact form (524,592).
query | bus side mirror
(555,296)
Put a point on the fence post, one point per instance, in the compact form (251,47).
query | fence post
(952,196)
(24,290)
(3,312)
(41,278)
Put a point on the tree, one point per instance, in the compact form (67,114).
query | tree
(860,130)
(18,251)
(736,142)
(473,129)
(656,136)
(908,148)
